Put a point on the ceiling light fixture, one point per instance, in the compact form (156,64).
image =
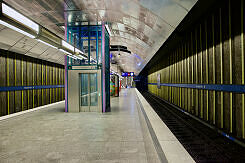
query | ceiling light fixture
(16,29)
(73,57)
(10,12)
(67,45)
(108,29)
(47,44)
(65,51)
(78,51)
(82,57)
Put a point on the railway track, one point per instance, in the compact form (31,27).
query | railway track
(202,143)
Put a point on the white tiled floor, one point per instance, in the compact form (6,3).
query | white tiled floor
(51,135)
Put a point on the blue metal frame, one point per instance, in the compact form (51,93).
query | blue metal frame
(19,88)
(211,87)
(85,33)
(88,33)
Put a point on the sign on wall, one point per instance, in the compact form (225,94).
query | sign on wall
(158,81)
(126,74)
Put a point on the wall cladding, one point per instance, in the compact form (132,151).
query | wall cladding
(211,53)
(21,70)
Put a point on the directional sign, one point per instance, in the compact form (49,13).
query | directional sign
(126,74)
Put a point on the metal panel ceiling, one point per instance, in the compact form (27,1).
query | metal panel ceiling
(141,25)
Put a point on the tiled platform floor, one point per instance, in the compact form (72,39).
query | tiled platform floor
(50,135)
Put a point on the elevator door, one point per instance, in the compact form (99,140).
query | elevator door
(89,92)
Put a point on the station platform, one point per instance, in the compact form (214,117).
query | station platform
(131,132)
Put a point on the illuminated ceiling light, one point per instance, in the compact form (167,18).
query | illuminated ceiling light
(67,45)
(108,29)
(91,58)
(78,51)
(19,17)
(82,57)
(69,18)
(65,51)
(47,44)
(16,29)
(71,56)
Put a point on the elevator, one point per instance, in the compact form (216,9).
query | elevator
(90,91)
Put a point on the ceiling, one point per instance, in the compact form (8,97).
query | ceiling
(140,25)
(14,41)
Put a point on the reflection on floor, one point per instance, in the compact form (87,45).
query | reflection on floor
(50,135)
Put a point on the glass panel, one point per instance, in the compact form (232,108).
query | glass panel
(84,90)
(93,90)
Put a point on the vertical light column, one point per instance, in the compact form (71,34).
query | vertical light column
(172,77)
(192,75)
(15,78)
(7,60)
(186,75)
(207,71)
(33,91)
(53,82)
(177,76)
(221,69)
(50,82)
(37,84)
(56,91)
(230,50)
(27,78)
(169,76)
(182,78)
(197,103)
(243,67)
(22,83)
(188,78)
(42,83)
(214,79)
(46,67)
(201,69)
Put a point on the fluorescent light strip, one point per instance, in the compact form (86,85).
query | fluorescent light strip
(82,57)
(108,29)
(79,51)
(65,51)
(71,56)
(16,29)
(19,17)
(47,44)
(68,54)
(67,45)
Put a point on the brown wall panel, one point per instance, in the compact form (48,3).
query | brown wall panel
(18,101)
(237,69)
(3,69)
(3,95)
(24,100)
(3,103)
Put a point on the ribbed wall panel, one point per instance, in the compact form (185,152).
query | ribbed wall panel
(21,70)
(212,52)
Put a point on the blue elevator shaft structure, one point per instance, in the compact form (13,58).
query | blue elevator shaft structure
(94,43)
